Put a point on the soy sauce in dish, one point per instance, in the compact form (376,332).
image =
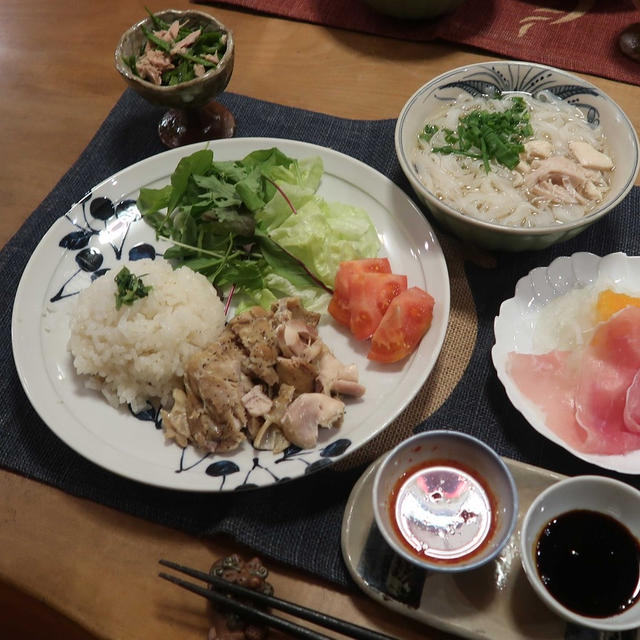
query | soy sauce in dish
(590,563)
(442,511)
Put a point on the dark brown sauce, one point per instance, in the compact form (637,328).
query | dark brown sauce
(442,511)
(590,563)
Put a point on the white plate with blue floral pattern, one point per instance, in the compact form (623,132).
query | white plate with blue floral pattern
(516,325)
(105,227)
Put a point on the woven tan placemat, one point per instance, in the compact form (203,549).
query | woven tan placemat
(454,358)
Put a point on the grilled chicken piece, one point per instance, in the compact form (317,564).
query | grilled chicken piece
(291,309)
(269,435)
(298,373)
(256,402)
(251,381)
(308,412)
(295,338)
(335,377)
(280,404)
(174,422)
(209,412)
(270,438)
(255,330)
(212,405)
(215,386)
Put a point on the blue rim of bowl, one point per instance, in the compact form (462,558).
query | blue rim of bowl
(602,624)
(445,568)
(535,231)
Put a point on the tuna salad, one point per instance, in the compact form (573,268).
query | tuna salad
(177,52)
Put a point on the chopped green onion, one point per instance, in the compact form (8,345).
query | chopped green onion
(428,132)
(130,288)
(490,135)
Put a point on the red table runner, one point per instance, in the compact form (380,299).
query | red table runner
(577,35)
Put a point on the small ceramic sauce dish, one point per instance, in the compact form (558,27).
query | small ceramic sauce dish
(580,551)
(445,501)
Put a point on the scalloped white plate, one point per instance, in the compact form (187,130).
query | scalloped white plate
(515,325)
(104,227)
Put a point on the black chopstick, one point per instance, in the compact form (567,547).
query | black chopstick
(252,614)
(322,619)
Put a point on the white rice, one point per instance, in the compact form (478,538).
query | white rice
(138,352)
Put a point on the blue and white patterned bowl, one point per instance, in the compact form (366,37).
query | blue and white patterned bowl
(508,76)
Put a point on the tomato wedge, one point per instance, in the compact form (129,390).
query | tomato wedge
(406,320)
(339,304)
(370,294)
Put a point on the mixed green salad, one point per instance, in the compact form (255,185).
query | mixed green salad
(256,227)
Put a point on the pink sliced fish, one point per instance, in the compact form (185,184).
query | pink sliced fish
(548,380)
(631,413)
(590,398)
(600,398)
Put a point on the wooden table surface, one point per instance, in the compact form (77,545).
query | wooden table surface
(68,567)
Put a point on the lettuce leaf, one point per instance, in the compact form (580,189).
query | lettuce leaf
(323,234)
(258,223)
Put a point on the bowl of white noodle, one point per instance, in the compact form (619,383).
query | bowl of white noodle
(564,155)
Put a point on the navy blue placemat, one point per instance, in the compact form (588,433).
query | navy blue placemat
(299,522)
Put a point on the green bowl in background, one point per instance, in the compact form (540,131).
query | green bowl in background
(414,9)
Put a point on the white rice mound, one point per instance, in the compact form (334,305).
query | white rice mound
(138,352)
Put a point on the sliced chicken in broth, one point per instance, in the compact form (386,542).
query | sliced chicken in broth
(562,175)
